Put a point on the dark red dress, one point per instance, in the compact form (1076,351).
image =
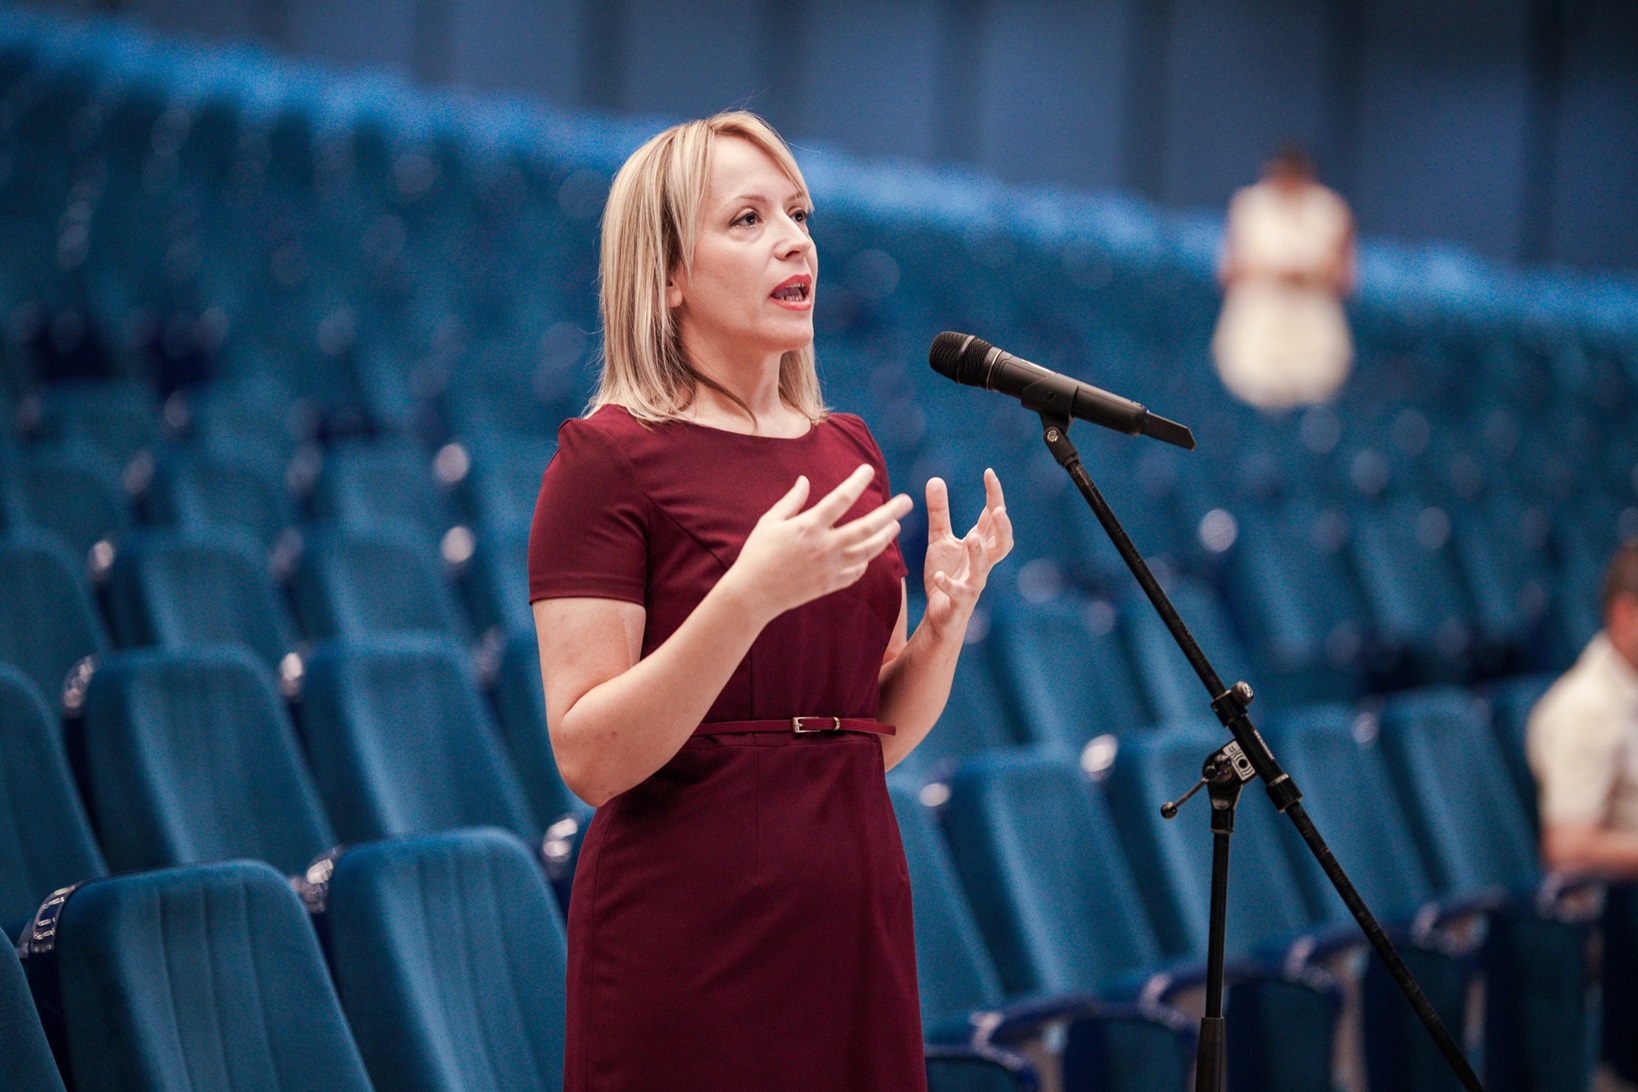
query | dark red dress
(741,920)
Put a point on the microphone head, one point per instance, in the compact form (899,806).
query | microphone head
(953,355)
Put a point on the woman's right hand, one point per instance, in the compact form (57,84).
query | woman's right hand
(792,557)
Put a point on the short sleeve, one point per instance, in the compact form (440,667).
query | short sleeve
(1576,751)
(590,531)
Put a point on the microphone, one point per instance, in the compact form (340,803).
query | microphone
(975,362)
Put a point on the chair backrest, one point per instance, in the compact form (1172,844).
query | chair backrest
(1174,690)
(24,1050)
(450,960)
(976,718)
(375,484)
(118,416)
(1510,706)
(401,743)
(223,484)
(497,579)
(1067,672)
(197,588)
(205,978)
(48,622)
(364,583)
(73,491)
(520,701)
(504,481)
(953,969)
(1456,790)
(1407,571)
(1335,757)
(45,836)
(1171,858)
(190,757)
(1045,874)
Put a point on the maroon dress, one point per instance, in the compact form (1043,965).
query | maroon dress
(741,920)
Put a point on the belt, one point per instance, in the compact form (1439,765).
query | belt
(796,725)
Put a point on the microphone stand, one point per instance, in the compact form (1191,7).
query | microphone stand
(1225,771)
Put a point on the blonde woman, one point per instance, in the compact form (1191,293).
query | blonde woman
(720,604)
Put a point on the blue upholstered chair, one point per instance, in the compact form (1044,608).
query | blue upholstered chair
(365,583)
(196,588)
(48,622)
(191,758)
(207,977)
(401,743)
(963,1001)
(24,1051)
(45,836)
(520,701)
(450,959)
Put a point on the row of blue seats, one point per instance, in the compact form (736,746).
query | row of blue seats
(1066,897)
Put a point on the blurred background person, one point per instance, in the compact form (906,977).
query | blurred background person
(1288,260)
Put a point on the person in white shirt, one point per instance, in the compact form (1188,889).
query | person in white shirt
(1282,339)
(1583,742)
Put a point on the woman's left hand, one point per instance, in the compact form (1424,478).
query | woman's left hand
(956,569)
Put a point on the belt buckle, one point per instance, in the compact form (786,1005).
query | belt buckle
(835,725)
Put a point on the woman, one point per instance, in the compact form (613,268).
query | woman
(722,658)
(1288,260)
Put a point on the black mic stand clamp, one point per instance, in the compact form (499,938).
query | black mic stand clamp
(1225,772)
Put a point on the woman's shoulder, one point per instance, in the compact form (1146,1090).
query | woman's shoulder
(851,430)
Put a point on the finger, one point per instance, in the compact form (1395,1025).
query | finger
(993,497)
(866,549)
(978,559)
(1003,534)
(938,508)
(868,524)
(791,503)
(830,507)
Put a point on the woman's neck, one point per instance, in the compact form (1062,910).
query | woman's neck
(755,383)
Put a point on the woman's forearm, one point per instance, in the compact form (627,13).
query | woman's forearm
(915,685)
(623,730)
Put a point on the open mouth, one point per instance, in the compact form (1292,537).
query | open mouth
(795,290)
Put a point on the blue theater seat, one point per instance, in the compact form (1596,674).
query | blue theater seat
(191,757)
(520,702)
(73,491)
(48,622)
(401,743)
(1511,702)
(975,719)
(363,583)
(501,488)
(1282,1022)
(1406,569)
(24,1051)
(1066,671)
(962,999)
(224,484)
(1476,840)
(119,417)
(207,978)
(45,837)
(450,959)
(197,588)
(496,580)
(258,415)
(1175,692)
(370,485)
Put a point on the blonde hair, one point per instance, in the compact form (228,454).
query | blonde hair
(649,225)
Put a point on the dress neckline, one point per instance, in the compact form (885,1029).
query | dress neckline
(813,427)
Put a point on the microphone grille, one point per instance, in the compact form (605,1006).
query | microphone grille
(950,349)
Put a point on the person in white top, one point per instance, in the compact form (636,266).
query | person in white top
(1282,339)
(1583,742)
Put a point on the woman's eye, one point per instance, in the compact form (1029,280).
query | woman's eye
(747,219)
(801,215)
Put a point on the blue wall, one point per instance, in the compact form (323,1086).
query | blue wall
(1508,125)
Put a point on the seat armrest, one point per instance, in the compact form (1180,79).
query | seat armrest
(954,1055)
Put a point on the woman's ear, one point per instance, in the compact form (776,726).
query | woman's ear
(673,289)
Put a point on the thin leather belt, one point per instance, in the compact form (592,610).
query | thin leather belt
(796,725)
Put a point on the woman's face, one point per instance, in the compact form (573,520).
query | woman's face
(755,268)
